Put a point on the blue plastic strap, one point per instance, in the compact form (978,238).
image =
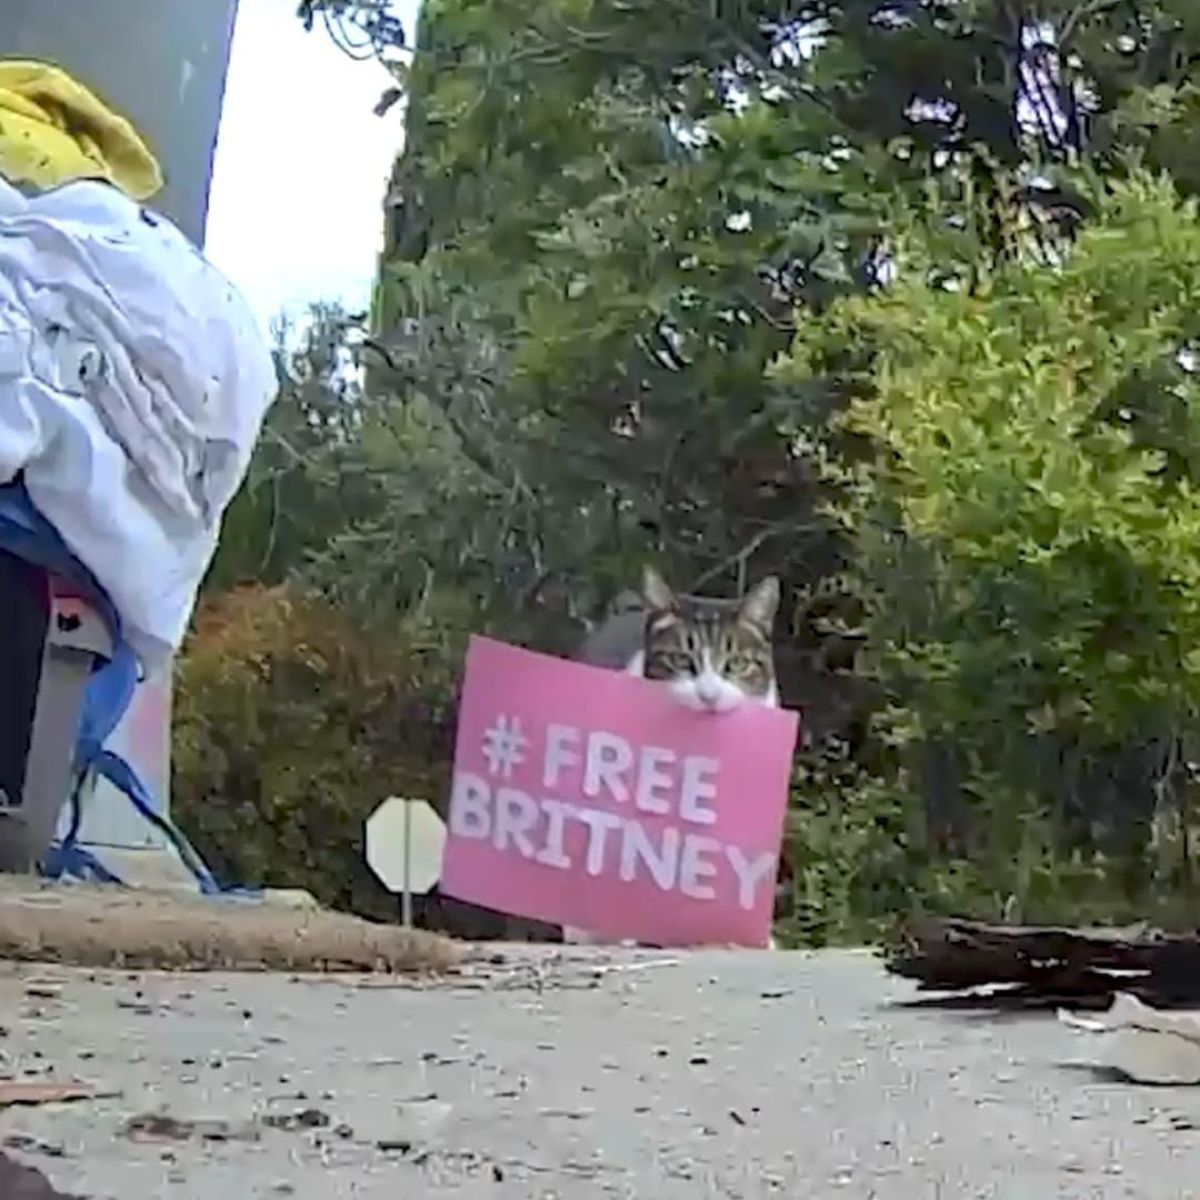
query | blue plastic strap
(27,535)
(106,699)
(122,776)
(77,862)
(71,859)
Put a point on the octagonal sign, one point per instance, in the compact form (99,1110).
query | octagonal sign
(406,837)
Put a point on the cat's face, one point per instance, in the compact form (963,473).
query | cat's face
(714,654)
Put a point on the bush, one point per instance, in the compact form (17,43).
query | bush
(1025,525)
(291,724)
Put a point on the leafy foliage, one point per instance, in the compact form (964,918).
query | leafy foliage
(607,218)
(638,300)
(308,481)
(291,725)
(1027,521)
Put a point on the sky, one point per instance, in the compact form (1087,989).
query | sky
(295,208)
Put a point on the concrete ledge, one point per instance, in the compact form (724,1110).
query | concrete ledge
(90,926)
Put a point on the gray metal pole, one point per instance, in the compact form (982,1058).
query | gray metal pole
(161,63)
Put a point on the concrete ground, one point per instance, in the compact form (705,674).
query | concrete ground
(589,1074)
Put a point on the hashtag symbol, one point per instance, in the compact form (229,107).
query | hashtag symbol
(504,746)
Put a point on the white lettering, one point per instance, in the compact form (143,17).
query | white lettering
(516,815)
(608,757)
(693,868)
(653,780)
(663,864)
(559,754)
(692,864)
(599,823)
(698,785)
(749,875)
(470,806)
(552,853)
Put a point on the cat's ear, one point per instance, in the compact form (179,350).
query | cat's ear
(656,592)
(761,604)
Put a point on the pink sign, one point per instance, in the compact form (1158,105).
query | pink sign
(590,798)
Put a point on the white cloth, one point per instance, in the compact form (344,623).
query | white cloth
(133,384)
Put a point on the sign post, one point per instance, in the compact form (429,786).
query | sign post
(405,843)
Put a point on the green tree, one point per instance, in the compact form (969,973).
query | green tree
(307,481)
(607,218)
(1026,531)
(610,223)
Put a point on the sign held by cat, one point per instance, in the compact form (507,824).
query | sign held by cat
(591,798)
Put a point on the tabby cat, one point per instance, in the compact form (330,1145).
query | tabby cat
(714,655)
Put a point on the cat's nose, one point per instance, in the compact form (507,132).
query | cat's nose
(709,693)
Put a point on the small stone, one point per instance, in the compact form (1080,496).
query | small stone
(394,1145)
(305,1118)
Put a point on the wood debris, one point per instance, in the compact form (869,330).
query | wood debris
(977,964)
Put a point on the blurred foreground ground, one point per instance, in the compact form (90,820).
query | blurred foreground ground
(589,1073)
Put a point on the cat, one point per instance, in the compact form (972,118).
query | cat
(713,655)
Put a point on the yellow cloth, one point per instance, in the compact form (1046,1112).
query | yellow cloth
(53,130)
